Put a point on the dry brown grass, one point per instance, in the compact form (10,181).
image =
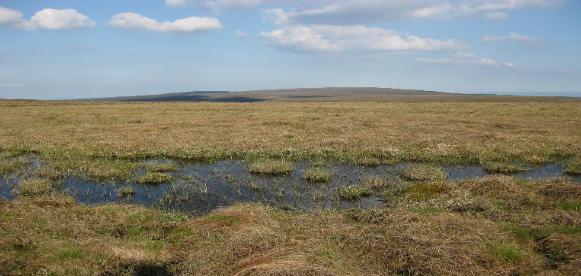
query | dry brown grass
(431,235)
(447,131)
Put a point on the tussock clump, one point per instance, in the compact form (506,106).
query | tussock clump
(512,194)
(154,178)
(8,167)
(34,187)
(437,244)
(375,182)
(563,252)
(126,191)
(317,175)
(274,167)
(353,192)
(559,189)
(252,239)
(234,216)
(368,162)
(574,168)
(423,172)
(161,167)
(463,201)
(271,264)
(503,168)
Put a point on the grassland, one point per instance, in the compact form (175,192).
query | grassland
(491,225)
(105,140)
(428,225)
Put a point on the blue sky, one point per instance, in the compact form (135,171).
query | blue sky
(74,49)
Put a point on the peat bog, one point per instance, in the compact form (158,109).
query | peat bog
(198,188)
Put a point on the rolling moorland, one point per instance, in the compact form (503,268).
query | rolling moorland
(423,220)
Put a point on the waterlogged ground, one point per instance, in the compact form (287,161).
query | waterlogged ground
(198,188)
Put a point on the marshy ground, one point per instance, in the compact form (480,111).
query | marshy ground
(345,188)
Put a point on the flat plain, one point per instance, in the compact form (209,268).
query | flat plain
(426,223)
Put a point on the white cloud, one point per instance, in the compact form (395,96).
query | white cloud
(511,37)
(10,17)
(329,38)
(464,58)
(499,5)
(362,11)
(130,20)
(46,19)
(53,19)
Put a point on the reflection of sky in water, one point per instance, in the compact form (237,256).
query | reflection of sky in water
(199,188)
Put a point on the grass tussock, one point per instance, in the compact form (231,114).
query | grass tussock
(353,192)
(8,167)
(503,168)
(574,168)
(375,182)
(126,191)
(161,167)
(520,230)
(34,187)
(271,166)
(317,175)
(423,172)
(154,178)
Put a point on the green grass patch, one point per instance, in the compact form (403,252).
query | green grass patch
(271,166)
(423,172)
(426,191)
(70,254)
(353,192)
(34,187)
(154,178)
(569,205)
(317,175)
(520,232)
(507,252)
(503,168)
(574,168)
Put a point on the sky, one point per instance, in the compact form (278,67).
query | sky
(62,49)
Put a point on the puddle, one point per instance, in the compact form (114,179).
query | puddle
(199,188)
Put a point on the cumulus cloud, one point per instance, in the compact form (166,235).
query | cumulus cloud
(511,37)
(130,20)
(330,38)
(10,17)
(53,19)
(46,19)
(466,58)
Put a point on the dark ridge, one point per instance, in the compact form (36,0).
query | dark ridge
(332,94)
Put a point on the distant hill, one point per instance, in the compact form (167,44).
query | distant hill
(331,94)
